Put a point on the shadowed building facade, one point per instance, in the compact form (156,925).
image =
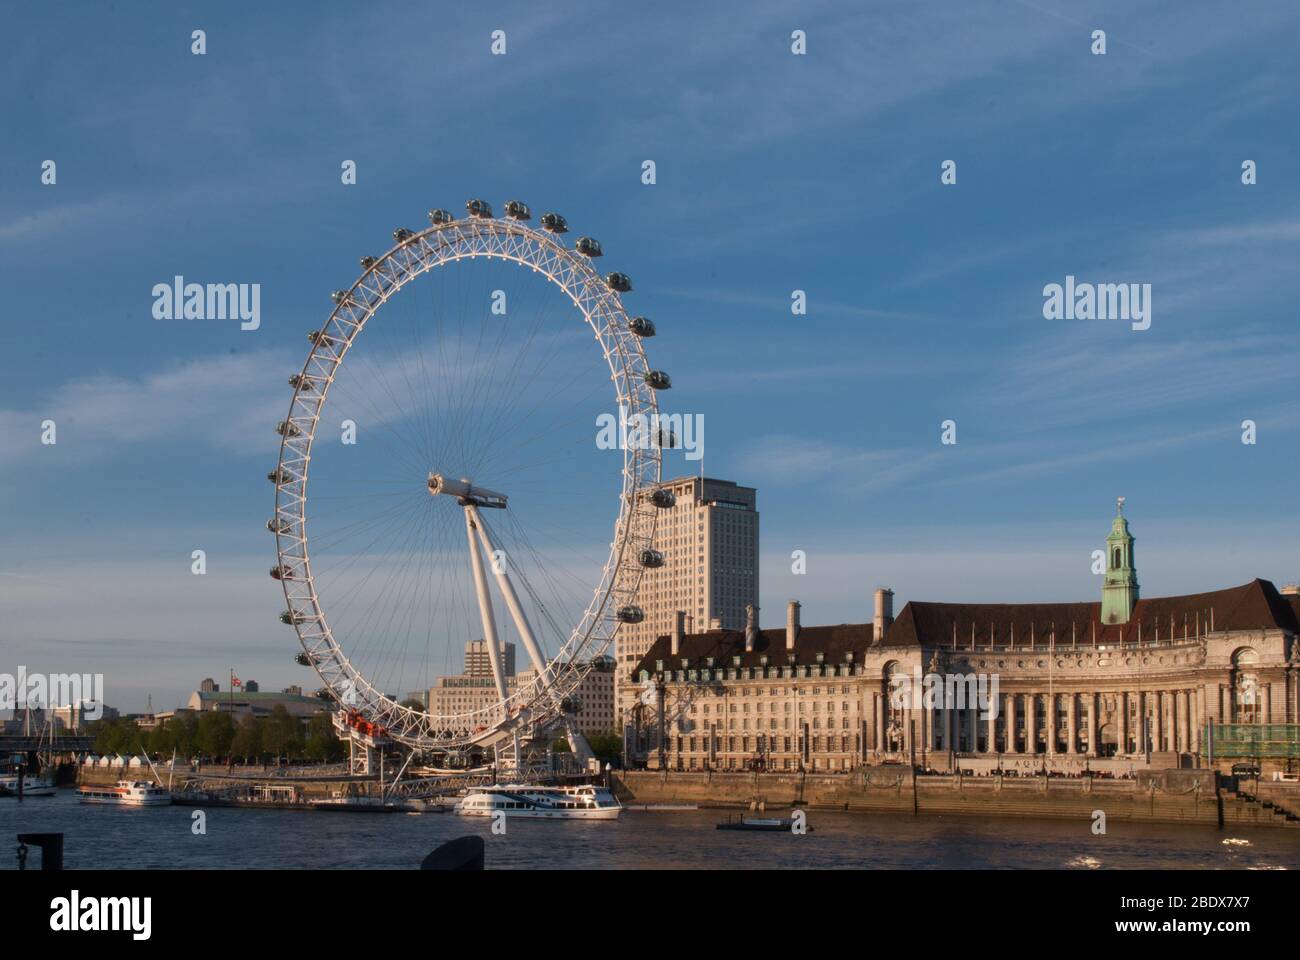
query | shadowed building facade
(1112,685)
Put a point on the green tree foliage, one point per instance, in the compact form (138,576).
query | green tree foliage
(322,745)
(216,731)
(282,734)
(608,747)
(248,739)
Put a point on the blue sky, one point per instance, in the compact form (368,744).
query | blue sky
(775,172)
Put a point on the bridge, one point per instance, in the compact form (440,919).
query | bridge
(20,743)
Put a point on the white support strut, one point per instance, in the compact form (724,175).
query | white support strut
(512,599)
(485,608)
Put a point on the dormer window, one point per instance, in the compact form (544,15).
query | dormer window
(821,657)
(735,661)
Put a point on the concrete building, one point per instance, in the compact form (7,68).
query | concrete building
(1116,686)
(709,541)
(595,695)
(479,664)
(258,703)
(75,717)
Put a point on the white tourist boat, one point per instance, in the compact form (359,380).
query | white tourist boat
(127,793)
(585,802)
(32,786)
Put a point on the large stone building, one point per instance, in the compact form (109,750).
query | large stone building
(475,689)
(256,703)
(709,543)
(1115,685)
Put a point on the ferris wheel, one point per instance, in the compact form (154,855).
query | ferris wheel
(458,450)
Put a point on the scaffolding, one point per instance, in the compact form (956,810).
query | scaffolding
(1262,741)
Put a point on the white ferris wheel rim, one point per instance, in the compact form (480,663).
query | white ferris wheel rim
(601,308)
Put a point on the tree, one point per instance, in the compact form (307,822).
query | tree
(185,734)
(116,736)
(216,731)
(282,735)
(608,746)
(247,742)
(322,745)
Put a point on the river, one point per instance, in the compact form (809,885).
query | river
(163,837)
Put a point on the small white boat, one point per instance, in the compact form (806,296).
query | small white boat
(127,793)
(585,802)
(32,786)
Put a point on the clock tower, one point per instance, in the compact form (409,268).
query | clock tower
(1119,592)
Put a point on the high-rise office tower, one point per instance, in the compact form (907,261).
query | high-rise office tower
(709,539)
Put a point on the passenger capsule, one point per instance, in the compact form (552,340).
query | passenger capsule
(401,234)
(368,262)
(479,208)
(642,326)
(651,558)
(658,380)
(341,297)
(325,693)
(291,617)
(570,705)
(630,614)
(279,476)
(619,282)
(299,382)
(439,216)
(588,247)
(663,498)
(277,572)
(517,210)
(277,525)
(286,429)
(555,223)
(302,660)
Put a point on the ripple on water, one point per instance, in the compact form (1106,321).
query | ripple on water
(108,837)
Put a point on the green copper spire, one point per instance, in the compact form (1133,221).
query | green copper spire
(1119,592)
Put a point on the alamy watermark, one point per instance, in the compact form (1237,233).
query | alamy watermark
(179,300)
(945,691)
(666,431)
(41,690)
(1100,301)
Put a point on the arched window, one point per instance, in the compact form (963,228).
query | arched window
(1117,564)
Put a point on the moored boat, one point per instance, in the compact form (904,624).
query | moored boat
(32,786)
(768,824)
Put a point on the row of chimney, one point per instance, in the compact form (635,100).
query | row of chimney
(883,620)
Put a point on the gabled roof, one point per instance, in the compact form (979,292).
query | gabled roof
(832,642)
(1251,606)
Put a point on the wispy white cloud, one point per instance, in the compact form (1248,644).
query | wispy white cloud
(230,401)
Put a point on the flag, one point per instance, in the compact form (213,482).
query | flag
(234,681)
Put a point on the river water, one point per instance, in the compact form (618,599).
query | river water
(123,837)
